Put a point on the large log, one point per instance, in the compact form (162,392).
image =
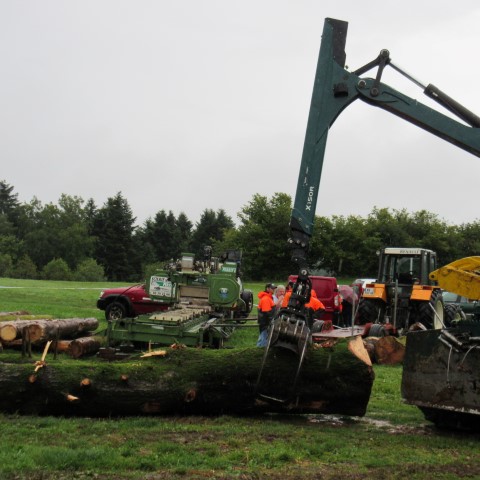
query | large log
(84,346)
(389,351)
(192,381)
(12,330)
(40,331)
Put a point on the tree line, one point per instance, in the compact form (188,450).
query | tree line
(78,240)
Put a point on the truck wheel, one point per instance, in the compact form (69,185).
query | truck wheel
(370,311)
(115,311)
(432,319)
(453,314)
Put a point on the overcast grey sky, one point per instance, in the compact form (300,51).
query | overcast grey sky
(189,104)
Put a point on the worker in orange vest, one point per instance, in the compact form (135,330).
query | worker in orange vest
(266,310)
(315,305)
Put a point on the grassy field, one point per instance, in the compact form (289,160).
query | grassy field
(392,441)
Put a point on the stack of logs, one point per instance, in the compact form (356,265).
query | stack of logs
(71,335)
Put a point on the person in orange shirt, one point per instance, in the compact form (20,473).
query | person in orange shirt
(315,307)
(288,294)
(266,310)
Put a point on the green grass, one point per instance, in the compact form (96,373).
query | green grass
(392,441)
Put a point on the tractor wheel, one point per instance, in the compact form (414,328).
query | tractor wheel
(115,311)
(377,330)
(432,318)
(453,314)
(370,311)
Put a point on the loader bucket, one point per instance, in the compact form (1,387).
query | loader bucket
(441,375)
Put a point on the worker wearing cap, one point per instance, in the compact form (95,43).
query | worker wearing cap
(266,309)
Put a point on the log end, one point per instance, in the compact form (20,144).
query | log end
(357,348)
(8,333)
(389,351)
(85,383)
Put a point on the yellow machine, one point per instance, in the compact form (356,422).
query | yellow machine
(461,277)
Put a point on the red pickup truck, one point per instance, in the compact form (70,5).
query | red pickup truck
(128,302)
(326,289)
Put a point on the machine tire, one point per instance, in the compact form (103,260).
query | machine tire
(425,313)
(247,297)
(115,311)
(453,314)
(377,330)
(447,419)
(370,311)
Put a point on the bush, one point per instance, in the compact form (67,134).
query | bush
(151,268)
(89,271)
(25,268)
(57,269)
(6,265)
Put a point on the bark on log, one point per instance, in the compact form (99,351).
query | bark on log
(84,346)
(193,381)
(43,330)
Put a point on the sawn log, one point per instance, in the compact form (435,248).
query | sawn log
(84,346)
(334,379)
(40,331)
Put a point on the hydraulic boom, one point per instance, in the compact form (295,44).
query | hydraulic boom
(335,88)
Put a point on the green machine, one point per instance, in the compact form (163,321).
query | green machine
(207,301)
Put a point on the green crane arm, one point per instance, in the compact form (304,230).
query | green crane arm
(334,89)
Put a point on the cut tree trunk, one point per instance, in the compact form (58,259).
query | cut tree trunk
(333,379)
(12,330)
(84,346)
(389,351)
(43,330)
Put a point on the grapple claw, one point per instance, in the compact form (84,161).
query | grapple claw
(288,330)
